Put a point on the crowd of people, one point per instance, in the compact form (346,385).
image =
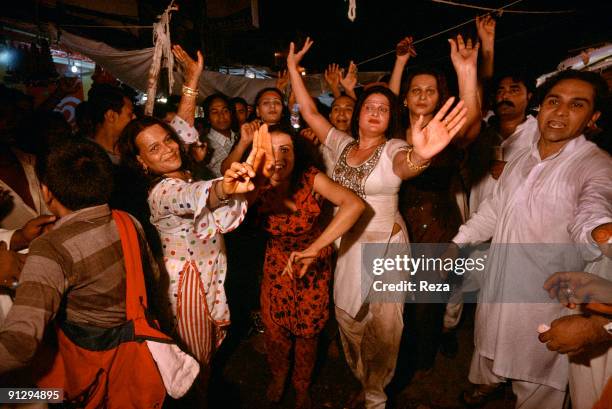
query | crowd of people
(135,244)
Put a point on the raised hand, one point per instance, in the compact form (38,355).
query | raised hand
(247,131)
(332,76)
(485,26)
(404,49)
(261,157)
(305,258)
(282,80)
(438,133)
(464,55)
(293,58)
(349,81)
(237,179)
(191,68)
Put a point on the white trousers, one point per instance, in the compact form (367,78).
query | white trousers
(529,395)
(371,345)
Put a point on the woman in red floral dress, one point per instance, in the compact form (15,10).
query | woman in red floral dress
(297,271)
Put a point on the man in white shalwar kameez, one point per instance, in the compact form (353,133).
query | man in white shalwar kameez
(511,130)
(554,192)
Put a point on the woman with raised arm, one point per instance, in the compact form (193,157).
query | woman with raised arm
(190,217)
(429,203)
(373,166)
(297,269)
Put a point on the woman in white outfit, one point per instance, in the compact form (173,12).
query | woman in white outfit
(373,165)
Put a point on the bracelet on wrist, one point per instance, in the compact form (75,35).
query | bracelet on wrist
(191,92)
(411,164)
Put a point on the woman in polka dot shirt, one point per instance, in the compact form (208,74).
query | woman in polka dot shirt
(190,217)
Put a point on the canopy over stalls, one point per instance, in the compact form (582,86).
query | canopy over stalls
(132,68)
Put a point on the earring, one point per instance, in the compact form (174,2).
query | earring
(145,170)
(406,104)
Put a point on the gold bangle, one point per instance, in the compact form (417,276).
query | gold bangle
(190,91)
(411,164)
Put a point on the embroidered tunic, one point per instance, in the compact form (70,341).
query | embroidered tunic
(378,185)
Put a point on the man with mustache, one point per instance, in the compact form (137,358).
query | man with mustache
(556,190)
(506,133)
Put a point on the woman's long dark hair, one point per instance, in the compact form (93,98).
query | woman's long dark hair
(394,116)
(129,150)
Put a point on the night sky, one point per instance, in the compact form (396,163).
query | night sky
(538,42)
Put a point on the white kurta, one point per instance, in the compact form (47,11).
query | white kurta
(556,200)
(375,225)
(522,137)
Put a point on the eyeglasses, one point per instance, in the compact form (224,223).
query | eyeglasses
(270,102)
(379,109)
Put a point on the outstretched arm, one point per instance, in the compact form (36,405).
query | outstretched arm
(403,51)
(464,56)
(485,25)
(319,124)
(192,71)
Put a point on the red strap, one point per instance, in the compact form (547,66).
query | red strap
(135,291)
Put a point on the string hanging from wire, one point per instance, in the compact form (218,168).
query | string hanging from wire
(471,6)
(499,10)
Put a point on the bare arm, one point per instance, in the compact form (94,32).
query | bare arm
(192,71)
(485,26)
(350,208)
(403,51)
(464,56)
(319,124)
